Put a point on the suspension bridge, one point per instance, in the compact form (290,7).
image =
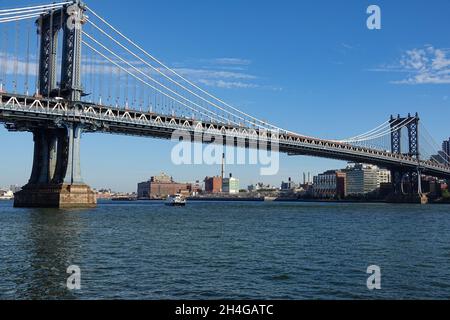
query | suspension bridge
(82,74)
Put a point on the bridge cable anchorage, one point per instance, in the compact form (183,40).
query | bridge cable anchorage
(141,80)
(262,123)
(150,78)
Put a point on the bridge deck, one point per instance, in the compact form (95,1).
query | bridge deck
(23,113)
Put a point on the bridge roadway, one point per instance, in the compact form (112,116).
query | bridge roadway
(23,113)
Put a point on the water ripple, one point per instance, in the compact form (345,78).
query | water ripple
(144,250)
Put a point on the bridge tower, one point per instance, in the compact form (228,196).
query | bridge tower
(56,174)
(396,134)
(396,139)
(413,142)
(400,177)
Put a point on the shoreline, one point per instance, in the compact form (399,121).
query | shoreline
(224,199)
(212,199)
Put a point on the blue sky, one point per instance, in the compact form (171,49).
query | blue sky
(309,66)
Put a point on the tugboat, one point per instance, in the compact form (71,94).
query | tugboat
(176,200)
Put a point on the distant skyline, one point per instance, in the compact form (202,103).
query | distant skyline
(311,67)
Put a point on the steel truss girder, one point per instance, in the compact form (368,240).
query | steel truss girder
(17,109)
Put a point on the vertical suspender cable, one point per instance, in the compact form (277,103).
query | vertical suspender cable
(38,55)
(61,14)
(149,104)
(91,76)
(110,74)
(100,82)
(27,64)
(119,76)
(3,55)
(50,80)
(126,91)
(134,92)
(16,56)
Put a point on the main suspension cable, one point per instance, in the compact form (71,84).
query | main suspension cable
(150,78)
(183,78)
(145,82)
(60,4)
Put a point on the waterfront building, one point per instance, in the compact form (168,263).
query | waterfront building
(260,186)
(14,188)
(213,184)
(307,178)
(330,184)
(159,187)
(384,176)
(362,179)
(440,157)
(104,194)
(288,186)
(195,189)
(446,151)
(230,185)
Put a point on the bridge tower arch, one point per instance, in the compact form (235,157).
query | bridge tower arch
(67,21)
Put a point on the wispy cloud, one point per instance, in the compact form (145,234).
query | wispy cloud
(214,74)
(347,46)
(10,65)
(227,84)
(232,61)
(224,73)
(426,65)
(220,78)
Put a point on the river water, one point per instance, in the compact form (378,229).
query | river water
(232,250)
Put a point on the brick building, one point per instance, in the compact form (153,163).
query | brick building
(330,184)
(159,187)
(213,184)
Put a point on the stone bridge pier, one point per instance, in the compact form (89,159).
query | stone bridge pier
(55,180)
(56,176)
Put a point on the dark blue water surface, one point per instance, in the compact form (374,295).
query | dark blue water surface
(226,250)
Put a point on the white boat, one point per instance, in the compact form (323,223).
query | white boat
(6,195)
(176,200)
